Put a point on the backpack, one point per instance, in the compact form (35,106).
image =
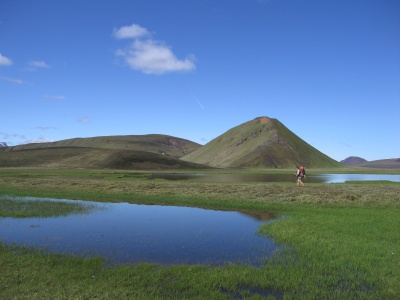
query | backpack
(302,171)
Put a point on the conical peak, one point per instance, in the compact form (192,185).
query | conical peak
(264,120)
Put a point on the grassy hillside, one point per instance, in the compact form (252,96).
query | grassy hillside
(116,152)
(80,157)
(153,143)
(262,142)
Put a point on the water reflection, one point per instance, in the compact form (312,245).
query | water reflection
(339,178)
(318,178)
(129,233)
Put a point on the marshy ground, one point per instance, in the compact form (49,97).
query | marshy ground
(341,241)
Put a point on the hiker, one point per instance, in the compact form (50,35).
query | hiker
(300,173)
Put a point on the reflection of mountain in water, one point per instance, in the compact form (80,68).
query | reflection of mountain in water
(259,215)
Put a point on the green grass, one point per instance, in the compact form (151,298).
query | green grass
(21,208)
(351,251)
(341,241)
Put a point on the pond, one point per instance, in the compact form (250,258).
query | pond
(317,178)
(130,233)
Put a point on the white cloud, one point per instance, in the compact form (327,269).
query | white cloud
(5,61)
(133,31)
(148,55)
(12,80)
(39,140)
(153,57)
(38,64)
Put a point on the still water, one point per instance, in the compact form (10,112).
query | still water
(130,233)
(318,178)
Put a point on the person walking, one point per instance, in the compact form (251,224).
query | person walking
(300,174)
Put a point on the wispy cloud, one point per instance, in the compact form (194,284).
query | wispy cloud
(6,136)
(54,97)
(84,120)
(21,139)
(38,64)
(12,80)
(197,100)
(39,140)
(148,55)
(44,127)
(345,144)
(5,61)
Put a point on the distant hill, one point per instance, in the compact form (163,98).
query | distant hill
(262,142)
(393,163)
(2,144)
(115,152)
(353,161)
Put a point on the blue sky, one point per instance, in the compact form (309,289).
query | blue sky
(328,70)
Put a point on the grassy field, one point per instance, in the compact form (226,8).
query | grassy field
(341,241)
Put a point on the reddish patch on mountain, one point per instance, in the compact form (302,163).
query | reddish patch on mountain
(265,120)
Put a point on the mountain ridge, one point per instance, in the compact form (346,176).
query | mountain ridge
(153,143)
(259,143)
(262,142)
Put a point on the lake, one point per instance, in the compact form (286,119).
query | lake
(130,233)
(317,178)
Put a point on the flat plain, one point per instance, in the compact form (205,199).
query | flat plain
(341,240)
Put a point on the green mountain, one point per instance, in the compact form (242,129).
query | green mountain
(115,152)
(260,143)
(153,143)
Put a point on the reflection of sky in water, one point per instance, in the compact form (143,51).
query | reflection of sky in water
(311,178)
(126,233)
(338,178)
